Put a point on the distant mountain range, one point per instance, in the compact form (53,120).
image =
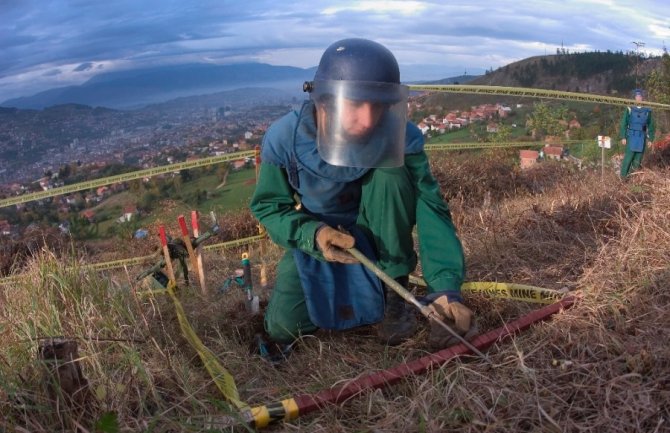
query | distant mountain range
(142,87)
(136,88)
(461,79)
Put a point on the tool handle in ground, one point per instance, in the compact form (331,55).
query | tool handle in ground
(195,225)
(246,269)
(186,236)
(166,253)
(209,233)
(253,302)
(407,296)
(155,268)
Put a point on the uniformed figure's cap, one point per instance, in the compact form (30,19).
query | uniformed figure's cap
(637,92)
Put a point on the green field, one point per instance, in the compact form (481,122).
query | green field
(460,136)
(234,195)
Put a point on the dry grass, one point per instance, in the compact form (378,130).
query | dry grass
(602,366)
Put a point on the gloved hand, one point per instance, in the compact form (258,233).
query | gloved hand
(332,243)
(455,315)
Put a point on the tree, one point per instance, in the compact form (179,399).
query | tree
(148,200)
(503,134)
(135,186)
(658,88)
(81,228)
(546,120)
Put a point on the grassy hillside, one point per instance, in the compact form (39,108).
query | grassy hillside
(602,365)
(590,72)
(606,73)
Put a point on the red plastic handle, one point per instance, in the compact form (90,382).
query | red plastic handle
(182,224)
(161,232)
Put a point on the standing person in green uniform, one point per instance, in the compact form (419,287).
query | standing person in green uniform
(637,127)
(349,158)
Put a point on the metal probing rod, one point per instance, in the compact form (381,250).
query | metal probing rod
(407,296)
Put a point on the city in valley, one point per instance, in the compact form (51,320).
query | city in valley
(42,148)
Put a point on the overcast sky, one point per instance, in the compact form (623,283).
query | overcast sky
(50,43)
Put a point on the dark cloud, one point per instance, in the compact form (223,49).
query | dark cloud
(40,36)
(84,67)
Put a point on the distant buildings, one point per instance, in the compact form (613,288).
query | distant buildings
(128,212)
(528,158)
(456,119)
(553,152)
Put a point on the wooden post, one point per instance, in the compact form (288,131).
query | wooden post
(186,237)
(602,164)
(166,253)
(198,252)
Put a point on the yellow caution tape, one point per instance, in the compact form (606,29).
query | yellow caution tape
(152,292)
(125,177)
(222,378)
(453,88)
(517,292)
(235,243)
(507,144)
(535,93)
(119,263)
(103,266)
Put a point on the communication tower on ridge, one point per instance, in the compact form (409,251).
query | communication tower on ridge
(637,44)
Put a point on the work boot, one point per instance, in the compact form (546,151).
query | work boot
(274,353)
(399,322)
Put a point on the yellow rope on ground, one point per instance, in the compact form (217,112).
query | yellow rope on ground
(222,378)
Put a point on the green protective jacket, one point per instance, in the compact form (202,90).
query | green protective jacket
(274,204)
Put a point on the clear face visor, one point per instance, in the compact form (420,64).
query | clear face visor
(361,124)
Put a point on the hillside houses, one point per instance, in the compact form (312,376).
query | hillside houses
(128,212)
(529,158)
(457,119)
(553,152)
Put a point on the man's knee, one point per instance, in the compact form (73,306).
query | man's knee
(283,328)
